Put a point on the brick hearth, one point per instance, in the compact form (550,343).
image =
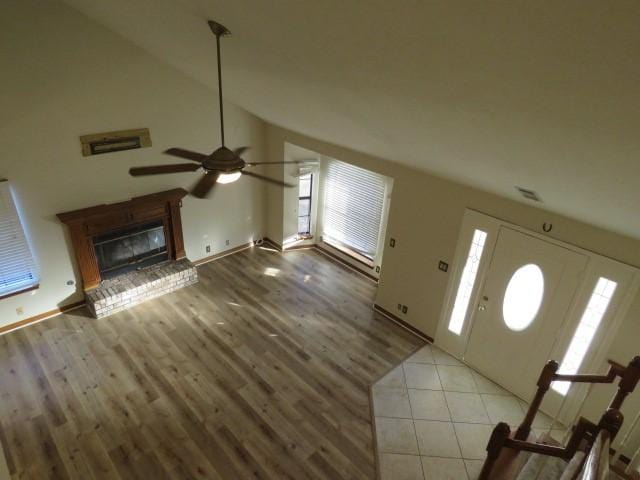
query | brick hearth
(135,287)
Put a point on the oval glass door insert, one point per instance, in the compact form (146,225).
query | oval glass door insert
(523,297)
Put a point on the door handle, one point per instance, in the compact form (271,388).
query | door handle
(482,307)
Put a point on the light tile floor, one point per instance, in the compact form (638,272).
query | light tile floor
(434,416)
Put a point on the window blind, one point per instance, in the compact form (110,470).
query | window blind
(18,270)
(353,207)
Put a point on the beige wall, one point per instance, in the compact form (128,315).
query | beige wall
(290,196)
(274,229)
(425,217)
(63,75)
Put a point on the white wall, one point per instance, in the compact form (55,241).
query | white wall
(64,75)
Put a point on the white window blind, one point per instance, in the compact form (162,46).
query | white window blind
(353,207)
(18,270)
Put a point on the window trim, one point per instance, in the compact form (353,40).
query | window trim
(13,215)
(308,234)
(350,252)
(463,296)
(560,387)
(22,290)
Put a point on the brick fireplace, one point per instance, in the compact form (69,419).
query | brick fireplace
(130,251)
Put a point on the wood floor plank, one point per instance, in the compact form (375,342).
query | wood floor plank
(261,370)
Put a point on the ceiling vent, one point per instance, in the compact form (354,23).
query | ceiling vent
(529,194)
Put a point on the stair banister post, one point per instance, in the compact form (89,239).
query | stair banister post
(611,421)
(544,382)
(497,440)
(628,382)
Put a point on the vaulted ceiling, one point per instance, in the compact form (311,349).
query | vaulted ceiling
(540,94)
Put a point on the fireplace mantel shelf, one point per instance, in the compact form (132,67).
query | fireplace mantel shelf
(86,223)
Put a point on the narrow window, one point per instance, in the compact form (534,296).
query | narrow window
(18,270)
(587,328)
(467,281)
(304,205)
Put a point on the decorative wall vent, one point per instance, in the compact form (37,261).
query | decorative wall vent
(109,142)
(529,194)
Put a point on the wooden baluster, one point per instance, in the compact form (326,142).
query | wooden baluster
(597,462)
(499,436)
(633,464)
(544,382)
(580,432)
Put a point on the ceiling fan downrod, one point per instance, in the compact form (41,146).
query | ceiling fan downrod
(220,166)
(219,31)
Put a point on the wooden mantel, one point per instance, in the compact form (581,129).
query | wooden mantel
(86,223)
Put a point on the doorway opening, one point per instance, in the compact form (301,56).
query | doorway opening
(517,299)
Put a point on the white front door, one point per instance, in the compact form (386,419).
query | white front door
(524,300)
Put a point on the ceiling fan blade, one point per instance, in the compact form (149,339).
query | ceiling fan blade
(187,154)
(204,185)
(267,179)
(158,169)
(296,162)
(240,150)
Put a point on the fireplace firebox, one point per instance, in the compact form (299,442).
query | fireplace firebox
(130,249)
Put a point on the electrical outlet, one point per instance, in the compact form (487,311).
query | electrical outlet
(405,309)
(20,311)
(378,269)
(399,306)
(392,243)
(226,242)
(207,249)
(444,266)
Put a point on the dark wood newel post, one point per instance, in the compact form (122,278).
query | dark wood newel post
(498,438)
(628,382)
(544,382)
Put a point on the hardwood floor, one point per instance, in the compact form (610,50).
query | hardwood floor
(259,371)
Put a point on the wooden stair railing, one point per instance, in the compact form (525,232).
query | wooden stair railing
(584,430)
(596,466)
(629,377)
(501,438)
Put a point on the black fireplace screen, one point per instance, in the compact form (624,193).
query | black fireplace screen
(130,249)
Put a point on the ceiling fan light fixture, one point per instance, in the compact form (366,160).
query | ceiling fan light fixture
(229,177)
(220,166)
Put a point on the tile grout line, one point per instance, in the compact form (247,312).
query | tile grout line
(483,393)
(413,420)
(455,434)
(377,453)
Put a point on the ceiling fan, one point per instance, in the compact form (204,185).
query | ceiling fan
(222,165)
